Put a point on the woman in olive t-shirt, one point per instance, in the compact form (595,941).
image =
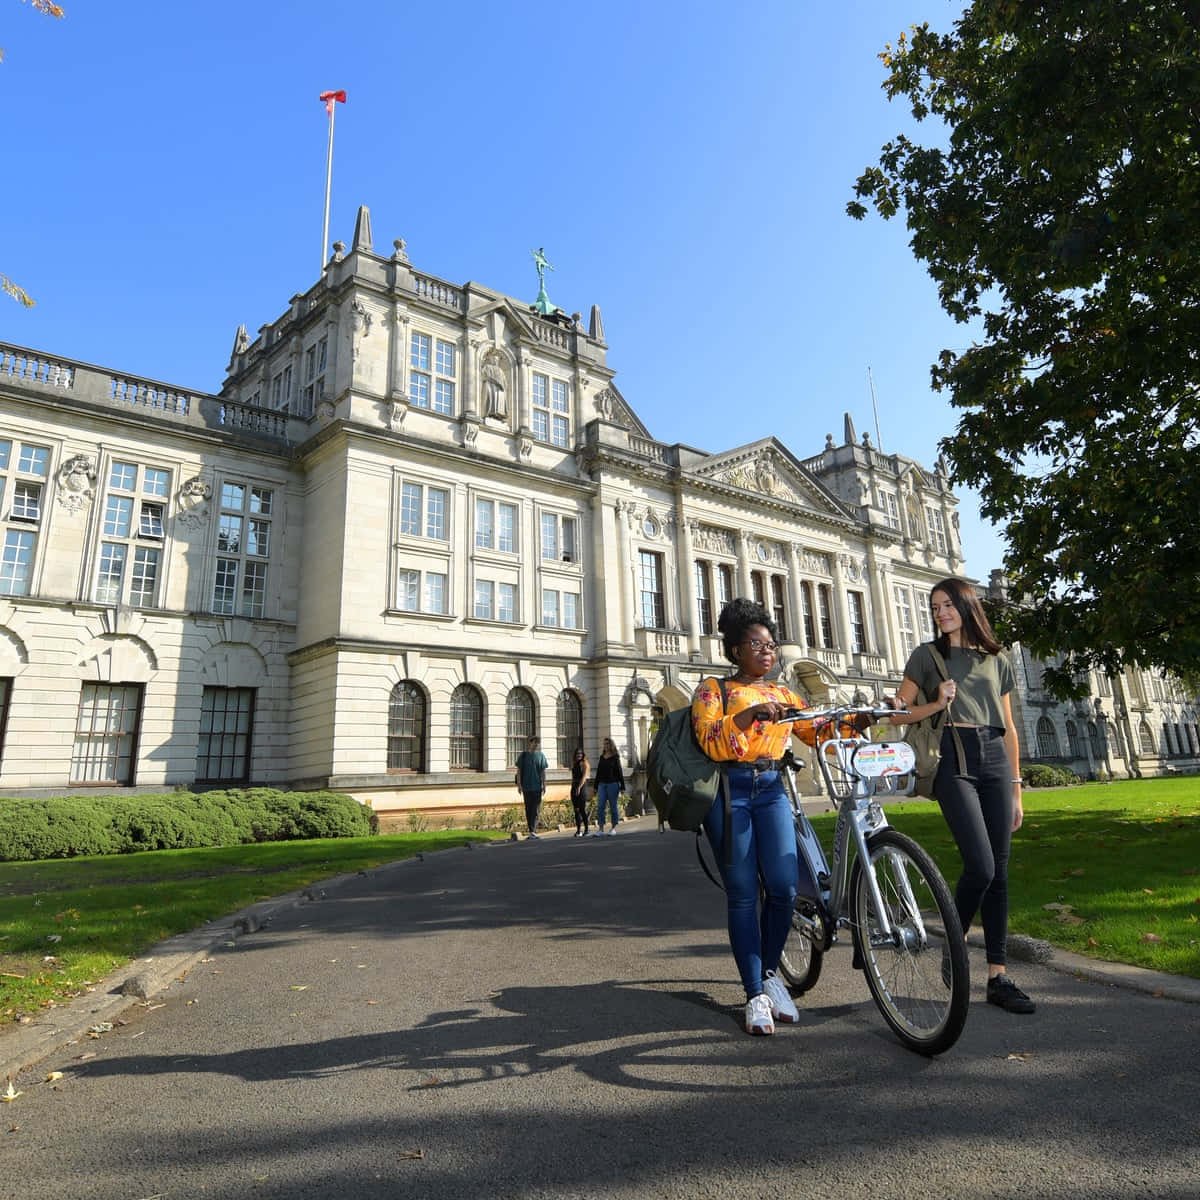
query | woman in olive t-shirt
(983,805)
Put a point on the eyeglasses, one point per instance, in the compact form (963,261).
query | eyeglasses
(756,645)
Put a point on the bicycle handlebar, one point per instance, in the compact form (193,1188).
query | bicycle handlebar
(838,712)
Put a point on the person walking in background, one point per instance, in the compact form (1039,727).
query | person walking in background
(531,782)
(740,730)
(982,806)
(579,778)
(610,783)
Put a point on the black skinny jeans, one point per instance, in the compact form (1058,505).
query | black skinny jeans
(979,810)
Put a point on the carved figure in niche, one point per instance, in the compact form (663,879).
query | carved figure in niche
(604,403)
(764,475)
(495,400)
(193,500)
(76,478)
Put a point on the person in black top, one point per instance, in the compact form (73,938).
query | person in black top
(579,774)
(610,783)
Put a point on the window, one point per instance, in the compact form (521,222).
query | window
(904,619)
(937,529)
(281,390)
(432,372)
(858,622)
(5,695)
(558,537)
(758,588)
(21,487)
(466,729)
(704,608)
(485,599)
(570,610)
(724,586)
(1146,738)
(506,602)
(495,526)
(243,547)
(569,725)
(890,506)
(520,723)
(778,607)
(226,717)
(1047,739)
(551,409)
(16,563)
(424,511)
(560,609)
(314,375)
(550,607)
(406,728)
(1168,740)
(127,570)
(806,612)
(1094,739)
(411,596)
(650,580)
(825,613)
(106,733)
(924,622)
(1074,747)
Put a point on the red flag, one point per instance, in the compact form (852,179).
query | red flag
(330,97)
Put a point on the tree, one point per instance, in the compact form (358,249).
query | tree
(6,285)
(1063,212)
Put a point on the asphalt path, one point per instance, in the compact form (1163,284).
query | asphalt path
(561,1018)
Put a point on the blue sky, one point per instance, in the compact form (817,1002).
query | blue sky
(686,167)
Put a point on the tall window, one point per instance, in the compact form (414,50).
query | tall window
(132,534)
(1074,747)
(904,619)
(5,695)
(560,609)
(807,613)
(551,410)
(244,530)
(1146,738)
(1047,739)
(23,471)
(858,622)
(1096,744)
(281,390)
(825,613)
(495,525)
(433,368)
(558,537)
(520,721)
(650,582)
(226,717)
(106,730)
(724,586)
(569,725)
(421,591)
(314,374)
(406,728)
(466,729)
(937,529)
(485,599)
(424,511)
(778,607)
(758,588)
(891,508)
(704,608)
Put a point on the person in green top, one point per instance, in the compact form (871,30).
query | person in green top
(983,805)
(531,782)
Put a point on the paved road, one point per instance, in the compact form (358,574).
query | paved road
(561,1019)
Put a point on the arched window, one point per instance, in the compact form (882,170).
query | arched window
(466,729)
(1047,739)
(1194,737)
(520,722)
(406,728)
(1181,746)
(1168,741)
(1094,737)
(569,725)
(1147,739)
(1074,749)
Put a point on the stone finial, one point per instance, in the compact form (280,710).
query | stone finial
(339,251)
(596,325)
(849,437)
(241,343)
(362,230)
(400,246)
(829,441)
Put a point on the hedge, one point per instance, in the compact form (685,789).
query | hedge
(1037,775)
(66,826)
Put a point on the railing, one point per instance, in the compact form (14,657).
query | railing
(830,658)
(647,448)
(429,288)
(149,395)
(249,418)
(552,335)
(24,364)
(871,664)
(659,643)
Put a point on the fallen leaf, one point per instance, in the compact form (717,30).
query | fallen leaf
(372,1001)
(1153,938)
(54,1076)
(54,937)
(10,1095)
(85,1057)
(1019,1056)
(299,987)
(208,960)
(1092,942)
(361,967)
(1148,891)
(412,1153)
(10,975)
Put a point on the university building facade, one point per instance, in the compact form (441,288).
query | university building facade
(418,523)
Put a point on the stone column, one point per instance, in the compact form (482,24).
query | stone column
(800,637)
(524,391)
(469,374)
(624,512)
(743,564)
(881,594)
(397,377)
(841,607)
(687,568)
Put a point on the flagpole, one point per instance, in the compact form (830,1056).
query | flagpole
(328,185)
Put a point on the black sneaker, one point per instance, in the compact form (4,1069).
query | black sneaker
(1002,991)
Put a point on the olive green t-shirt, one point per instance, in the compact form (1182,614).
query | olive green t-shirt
(982,679)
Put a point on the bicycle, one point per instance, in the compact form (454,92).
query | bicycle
(907,937)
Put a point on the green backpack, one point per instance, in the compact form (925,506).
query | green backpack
(682,780)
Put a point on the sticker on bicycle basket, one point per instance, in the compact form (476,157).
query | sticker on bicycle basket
(873,760)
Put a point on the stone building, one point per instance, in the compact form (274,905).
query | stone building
(419,522)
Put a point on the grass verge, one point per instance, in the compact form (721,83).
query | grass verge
(66,923)
(1111,871)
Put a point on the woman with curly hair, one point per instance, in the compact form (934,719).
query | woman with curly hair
(758,840)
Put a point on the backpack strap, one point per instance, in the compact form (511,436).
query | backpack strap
(727,802)
(940,663)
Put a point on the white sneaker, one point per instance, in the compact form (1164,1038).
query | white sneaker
(783,1008)
(758,1015)
(612,832)
(598,833)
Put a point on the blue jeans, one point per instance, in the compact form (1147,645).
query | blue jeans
(607,794)
(763,846)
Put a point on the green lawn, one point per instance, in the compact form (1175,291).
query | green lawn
(1105,870)
(66,923)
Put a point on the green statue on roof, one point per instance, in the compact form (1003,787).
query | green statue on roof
(542,303)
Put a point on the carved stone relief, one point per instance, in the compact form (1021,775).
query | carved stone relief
(493,381)
(77,482)
(192,501)
(715,541)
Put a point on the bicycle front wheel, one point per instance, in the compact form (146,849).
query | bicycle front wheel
(918,974)
(801,962)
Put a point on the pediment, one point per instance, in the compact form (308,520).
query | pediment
(768,469)
(611,406)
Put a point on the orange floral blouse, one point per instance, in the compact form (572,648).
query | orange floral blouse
(723,741)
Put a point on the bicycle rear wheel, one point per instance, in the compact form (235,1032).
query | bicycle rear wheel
(918,976)
(802,958)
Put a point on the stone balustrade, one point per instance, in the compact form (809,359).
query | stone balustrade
(429,288)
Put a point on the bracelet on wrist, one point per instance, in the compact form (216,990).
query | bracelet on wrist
(1017,780)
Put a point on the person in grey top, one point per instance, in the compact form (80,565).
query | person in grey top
(983,805)
(531,782)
